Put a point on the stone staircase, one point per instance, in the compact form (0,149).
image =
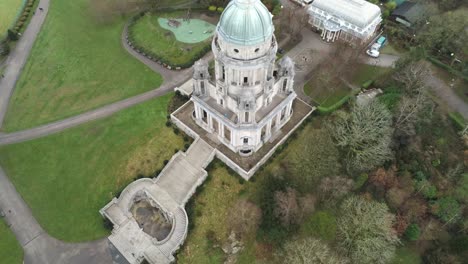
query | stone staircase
(179,234)
(170,190)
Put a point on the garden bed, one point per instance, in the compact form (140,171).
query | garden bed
(170,39)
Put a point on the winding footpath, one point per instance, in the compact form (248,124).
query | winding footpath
(19,55)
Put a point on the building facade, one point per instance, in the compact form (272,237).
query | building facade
(250,97)
(349,20)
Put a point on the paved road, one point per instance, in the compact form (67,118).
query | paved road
(38,246)
(445,93)
(17,59)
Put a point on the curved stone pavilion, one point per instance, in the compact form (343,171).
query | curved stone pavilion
(240,116)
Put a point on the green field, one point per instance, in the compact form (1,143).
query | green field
(11,252)
(148,34)
(75,65)
(366,72)
(9,9)
(66,178)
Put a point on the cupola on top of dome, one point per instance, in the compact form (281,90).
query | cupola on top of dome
(246,23)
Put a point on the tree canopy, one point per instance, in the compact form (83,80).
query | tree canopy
(364,134)
(365,231)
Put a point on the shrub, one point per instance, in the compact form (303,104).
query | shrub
(367,84)
(165,162)
(212,8)
(168,123)
(360,181)
(4,48)
(447,209)
(312,158)
(391,5)
(412,232)
(308,250)
(12,35)
(427,189)
(458,120)
(461,191)
(220,9)
(459,244)
(322,224)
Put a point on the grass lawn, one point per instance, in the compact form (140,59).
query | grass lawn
(325,95)
(67,177)
(210,211)
(148,34)
(390,49)
(74,66)
(366,72)
(11,251)
(8,11)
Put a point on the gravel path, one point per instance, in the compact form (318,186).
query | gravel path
(17,58)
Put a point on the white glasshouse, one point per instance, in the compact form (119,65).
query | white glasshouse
(349,20)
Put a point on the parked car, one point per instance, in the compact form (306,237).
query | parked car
(374,50)
(373,53)
(382,41)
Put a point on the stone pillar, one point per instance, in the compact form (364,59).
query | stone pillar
(288,109)
(278,119)
(220,129)
(210,121)
(268,130)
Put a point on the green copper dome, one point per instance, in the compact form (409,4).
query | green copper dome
(245,22)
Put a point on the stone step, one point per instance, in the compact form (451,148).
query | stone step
(178,235)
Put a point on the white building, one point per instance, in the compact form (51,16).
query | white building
(250,98)
(349,20)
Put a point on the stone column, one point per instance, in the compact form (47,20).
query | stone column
(288,109)
(220,129)
(278,118)
(210,121)
(268,130)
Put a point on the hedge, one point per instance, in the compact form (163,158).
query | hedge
(458,120)
(367,84)
(156,58)
(335,106)
(22,17)
(447,67)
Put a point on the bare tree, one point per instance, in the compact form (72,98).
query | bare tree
(365,134)
(245,217)
(308,251)
(334,188)
(293,19)
(287,208)
(409,111)
(365,231)
(413,76)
